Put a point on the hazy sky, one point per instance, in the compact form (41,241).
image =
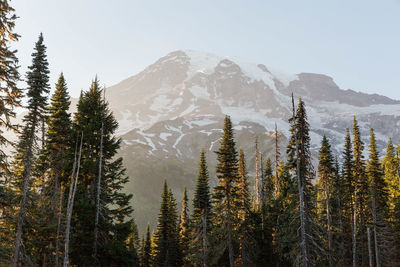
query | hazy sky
(357,42)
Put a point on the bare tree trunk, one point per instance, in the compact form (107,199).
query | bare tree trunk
(355,228)
(342,252)
(205,241)
(229,230)
(256,184)
(262,197)
(277,154)
(26,174)
(98,189)
(71,197)
(377,258)
(369,248)
(304,243)
(328,217)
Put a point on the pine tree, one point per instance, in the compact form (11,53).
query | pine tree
(391,174)
(225,195)
(350,243)
(10,97)
(299,158)
(200,222)
(326,182)
(146,255)
(54,166)
(115,207)
(166,250)
(27,150)
(184,228)
(244,231)
(361,196)
(379,208)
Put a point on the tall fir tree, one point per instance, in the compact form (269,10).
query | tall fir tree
(184,229)
(54,167)
(326,183)
(225,196)
(10,98)
(115,208)
(243,205)
(348,199)
(27,150)
(166,238)
(200,222)
(392,178)
(383,243)
(361,197)
(147,249)
(300,160)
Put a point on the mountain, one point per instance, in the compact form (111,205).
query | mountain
(175,107)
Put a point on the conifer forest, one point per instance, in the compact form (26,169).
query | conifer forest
(63,203)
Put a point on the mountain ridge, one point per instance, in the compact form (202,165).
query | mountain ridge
(175,107)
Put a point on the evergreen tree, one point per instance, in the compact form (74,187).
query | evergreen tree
(244,230)
(10,97)
(27,150)
(379,209)
(54,166)
(326,183)
(287,219)
(361,196)
(200,222)
(391,175)
(299,159)
(115,207)
(184,229)
(225,196)
(348,199)
(146,248)
(166,249)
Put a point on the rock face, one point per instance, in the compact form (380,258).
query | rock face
(175,107)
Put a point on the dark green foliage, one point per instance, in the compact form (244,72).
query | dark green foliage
(166,238)
(361,189)
(225,196)
(27,150)
(200,222)
(115,228)
(383,233)
(10,97)
(146,250)
(184,229)
(348,197)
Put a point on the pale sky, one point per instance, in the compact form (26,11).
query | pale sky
(356,42)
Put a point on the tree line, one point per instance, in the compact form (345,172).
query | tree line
(62,201)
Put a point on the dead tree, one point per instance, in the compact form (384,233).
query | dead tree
(71,198)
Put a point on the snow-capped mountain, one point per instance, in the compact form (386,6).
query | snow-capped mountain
(176,106)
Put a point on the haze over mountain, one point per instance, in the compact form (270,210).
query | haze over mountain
(175,107)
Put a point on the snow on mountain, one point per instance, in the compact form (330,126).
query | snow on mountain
(175,107)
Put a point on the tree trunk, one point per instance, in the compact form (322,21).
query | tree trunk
(26,174)
(256,185)
(205,246)
(72,191)
(328,217)
(229,230)
(276,161)
(377,258)
(304,243)
(369,248)
(355,228)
